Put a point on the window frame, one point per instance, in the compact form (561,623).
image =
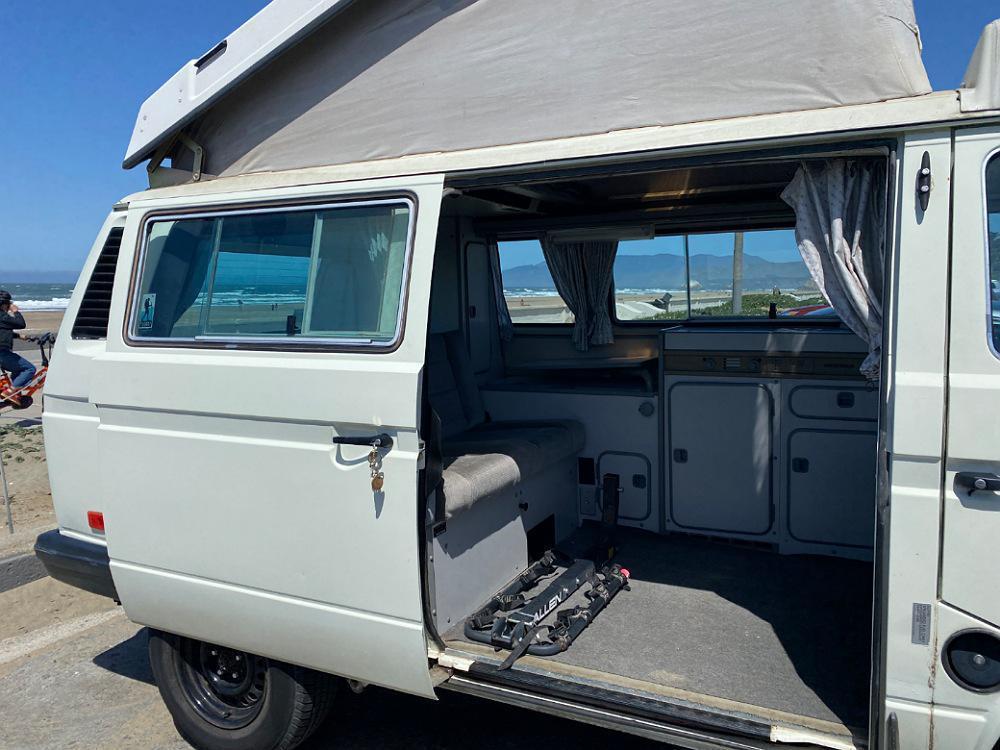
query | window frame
(991,341)
(270,343)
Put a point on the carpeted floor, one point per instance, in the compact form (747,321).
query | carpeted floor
(791,633)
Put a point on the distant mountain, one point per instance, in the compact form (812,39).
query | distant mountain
(666,271)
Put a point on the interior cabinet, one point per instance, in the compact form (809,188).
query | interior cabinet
(788,461)
(829,441)
(719,451)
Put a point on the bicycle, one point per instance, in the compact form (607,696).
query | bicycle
(25,393)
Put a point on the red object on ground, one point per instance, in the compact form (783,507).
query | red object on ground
(626,573)
(95,520)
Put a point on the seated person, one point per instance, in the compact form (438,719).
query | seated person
(21,370)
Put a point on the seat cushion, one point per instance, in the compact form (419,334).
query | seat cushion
(451,384)
(494,457)
(442,390)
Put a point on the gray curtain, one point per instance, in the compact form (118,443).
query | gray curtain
(840,230)
(360,267)
(503,313)
(583,275)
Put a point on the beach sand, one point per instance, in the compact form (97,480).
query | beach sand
(39,321)
(28,483)
(24,456)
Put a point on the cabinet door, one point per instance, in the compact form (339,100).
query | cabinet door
(719,443)
(831,486)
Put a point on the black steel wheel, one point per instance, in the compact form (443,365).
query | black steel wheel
(225,686)
(223,699)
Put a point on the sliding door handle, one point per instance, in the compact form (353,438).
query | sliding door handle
(382,441)
(968,482)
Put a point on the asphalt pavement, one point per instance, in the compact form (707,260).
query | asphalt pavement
(74,673)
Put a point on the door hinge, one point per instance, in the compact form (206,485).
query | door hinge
(924,181)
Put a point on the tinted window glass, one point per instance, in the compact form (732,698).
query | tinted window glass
(993,238)
(651,279)
(754,274)
(528,286)
(330,273)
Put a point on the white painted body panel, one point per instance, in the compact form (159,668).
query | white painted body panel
(969,595)
(972,523)
(231,516)
(69,418)
(915,382)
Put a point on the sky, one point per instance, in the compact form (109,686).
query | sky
(73,74)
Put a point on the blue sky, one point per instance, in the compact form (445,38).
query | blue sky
(72,76)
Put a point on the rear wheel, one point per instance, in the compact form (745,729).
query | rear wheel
(24,403)
(223,699)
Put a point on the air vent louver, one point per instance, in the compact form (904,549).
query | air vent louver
(92,317)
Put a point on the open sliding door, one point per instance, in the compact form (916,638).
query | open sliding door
(267,336)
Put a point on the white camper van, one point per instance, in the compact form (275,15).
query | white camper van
(637,363)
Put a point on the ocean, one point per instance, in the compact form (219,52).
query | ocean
(538,291)
(49,296)
(39,296)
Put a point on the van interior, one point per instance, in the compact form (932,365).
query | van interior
(723,443)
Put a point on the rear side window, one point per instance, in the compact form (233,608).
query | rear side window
(993,240)
(746,275)
(528,285)
(325,273)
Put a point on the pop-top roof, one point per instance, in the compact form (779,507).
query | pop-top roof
(322,82)
(981,83)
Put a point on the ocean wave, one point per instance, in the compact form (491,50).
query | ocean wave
(56,303)
(542,292)
(247,297)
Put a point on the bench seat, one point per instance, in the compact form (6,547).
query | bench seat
(480,458)
(495,457)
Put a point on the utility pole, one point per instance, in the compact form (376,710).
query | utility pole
(738,274)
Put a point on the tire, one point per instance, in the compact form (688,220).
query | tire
(256,703)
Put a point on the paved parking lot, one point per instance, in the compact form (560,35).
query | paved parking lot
(74,674)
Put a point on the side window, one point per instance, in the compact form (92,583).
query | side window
(528,286)
(751,274)
(993,238)
(333,272)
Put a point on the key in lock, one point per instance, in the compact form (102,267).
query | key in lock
(375,465)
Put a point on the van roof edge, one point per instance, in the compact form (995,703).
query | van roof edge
(199,83)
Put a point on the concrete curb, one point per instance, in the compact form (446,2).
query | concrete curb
(19,570)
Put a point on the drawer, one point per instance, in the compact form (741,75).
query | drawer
(853,403)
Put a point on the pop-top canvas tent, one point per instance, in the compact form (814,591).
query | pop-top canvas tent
(307,83)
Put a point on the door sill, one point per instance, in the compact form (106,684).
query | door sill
(604,699)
